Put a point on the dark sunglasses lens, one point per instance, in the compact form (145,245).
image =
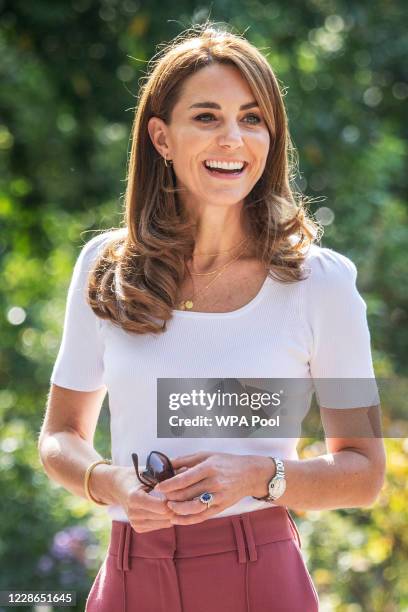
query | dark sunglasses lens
(157,463)
(159,466)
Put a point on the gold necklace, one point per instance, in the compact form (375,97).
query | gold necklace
(188,304)
(220,252)
(212,271)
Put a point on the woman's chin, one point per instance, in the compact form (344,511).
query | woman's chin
(223,196)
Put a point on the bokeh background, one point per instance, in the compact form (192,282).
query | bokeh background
(69,79)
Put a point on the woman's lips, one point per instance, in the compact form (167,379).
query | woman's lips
(224,175)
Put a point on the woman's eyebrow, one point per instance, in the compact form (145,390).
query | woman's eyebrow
(217,106)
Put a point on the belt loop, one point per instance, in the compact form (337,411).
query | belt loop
(123,553)
(294,528)
(126,550)
(239,538)
(249,535)
(119,559)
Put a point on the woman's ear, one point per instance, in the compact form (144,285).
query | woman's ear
(158,135)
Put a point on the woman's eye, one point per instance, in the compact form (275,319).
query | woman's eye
(199,117)
(203,115)
(258,120)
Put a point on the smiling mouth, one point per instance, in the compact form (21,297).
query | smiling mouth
(222,173)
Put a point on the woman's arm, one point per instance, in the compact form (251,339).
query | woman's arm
(66,450)
(65,442)
(344,479)
(65,457)
(350,475)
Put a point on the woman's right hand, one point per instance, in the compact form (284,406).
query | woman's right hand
(146,511)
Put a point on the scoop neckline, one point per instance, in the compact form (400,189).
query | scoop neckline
(192,314)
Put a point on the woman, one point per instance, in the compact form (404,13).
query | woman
(215,274)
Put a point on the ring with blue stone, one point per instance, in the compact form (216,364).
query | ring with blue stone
(206,498)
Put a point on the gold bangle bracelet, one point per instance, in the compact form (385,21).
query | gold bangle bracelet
(87,477)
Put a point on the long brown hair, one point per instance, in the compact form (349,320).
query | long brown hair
(137,275)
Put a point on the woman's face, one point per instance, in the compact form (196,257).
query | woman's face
(208,123)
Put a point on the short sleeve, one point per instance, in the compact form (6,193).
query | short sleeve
(340,357)
(79,363)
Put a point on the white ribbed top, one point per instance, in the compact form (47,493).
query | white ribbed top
(311,329)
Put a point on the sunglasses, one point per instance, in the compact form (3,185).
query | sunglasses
(158,468)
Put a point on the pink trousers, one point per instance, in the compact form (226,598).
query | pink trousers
(247,562)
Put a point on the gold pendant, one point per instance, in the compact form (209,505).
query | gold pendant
(186,304)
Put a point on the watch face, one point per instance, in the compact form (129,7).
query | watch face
(277,488)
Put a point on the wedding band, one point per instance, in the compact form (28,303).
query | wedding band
(206,498)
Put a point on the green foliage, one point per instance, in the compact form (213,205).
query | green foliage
(358,557)
(70,74)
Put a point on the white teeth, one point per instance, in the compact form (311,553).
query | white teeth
(224,165)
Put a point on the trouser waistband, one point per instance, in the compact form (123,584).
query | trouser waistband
(242,532)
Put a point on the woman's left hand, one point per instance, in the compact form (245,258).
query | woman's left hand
(228,477)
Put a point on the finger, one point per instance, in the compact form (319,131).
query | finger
(192,519)
(184,480)
(142,500)
(146,525)
(140,514)
(157,494)
(190,460)
(193,506)
(181,470)
(191,492)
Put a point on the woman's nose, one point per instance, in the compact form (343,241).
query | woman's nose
(231,135)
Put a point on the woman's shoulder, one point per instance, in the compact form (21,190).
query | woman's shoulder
(331,288)
(328,267)
(94,246)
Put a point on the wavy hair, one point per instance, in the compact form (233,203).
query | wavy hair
(136,278)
